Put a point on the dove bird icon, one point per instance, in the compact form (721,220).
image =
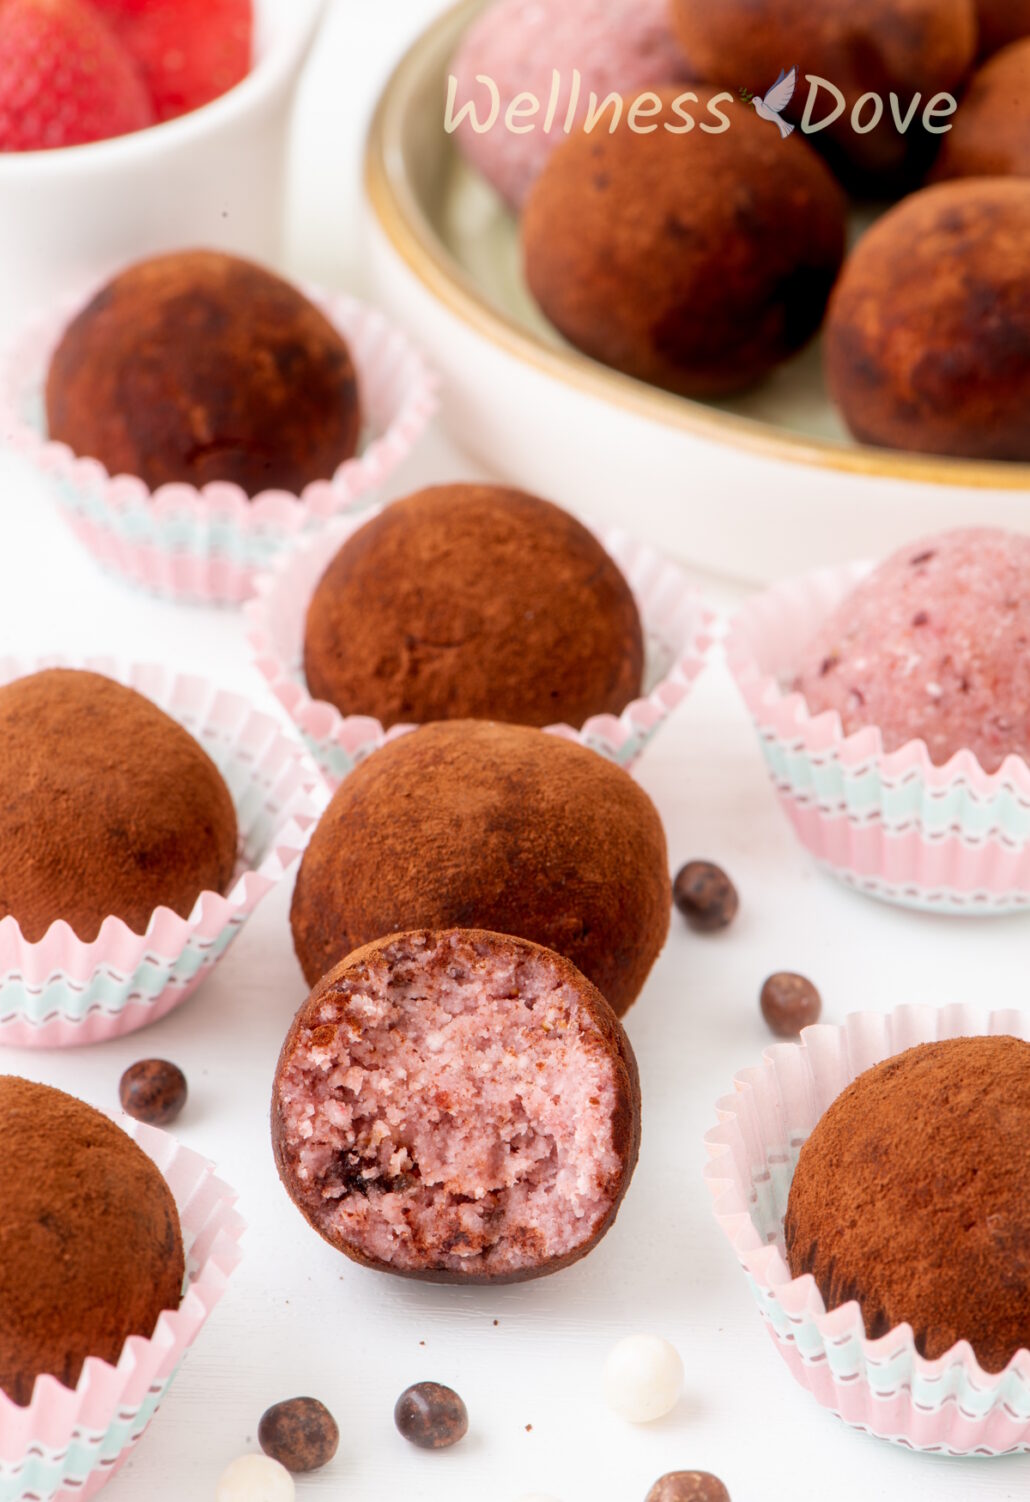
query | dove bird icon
(776,101)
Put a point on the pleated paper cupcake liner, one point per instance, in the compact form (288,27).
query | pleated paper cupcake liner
(950,838)
(209,544)
(949,1406)
(67,1443)
(61,991)
(676,629)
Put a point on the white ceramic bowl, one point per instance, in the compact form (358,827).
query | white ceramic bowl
(214,177)
(753,489)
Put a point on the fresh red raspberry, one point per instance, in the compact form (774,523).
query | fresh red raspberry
(65,78)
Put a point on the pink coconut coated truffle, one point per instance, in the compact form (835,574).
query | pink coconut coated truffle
(933,646)
(617,46)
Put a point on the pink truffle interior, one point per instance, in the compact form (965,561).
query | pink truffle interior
(452,1111)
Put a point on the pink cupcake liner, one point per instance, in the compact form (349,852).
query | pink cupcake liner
(199,578)
(676,627)
(67,1443)
(62,991)
(949,1406)
(209,544)
(951,838)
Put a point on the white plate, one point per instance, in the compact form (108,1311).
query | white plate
(749,489)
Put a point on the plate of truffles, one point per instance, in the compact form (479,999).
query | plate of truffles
(560,188)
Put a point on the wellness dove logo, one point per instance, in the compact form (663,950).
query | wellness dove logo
(776,100)
(568,106)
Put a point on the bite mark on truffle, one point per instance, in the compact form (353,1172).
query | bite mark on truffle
(453,1106)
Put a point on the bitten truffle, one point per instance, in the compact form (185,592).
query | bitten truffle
(918,47)
(470,824)
(1001,22)
(696,262)
(196,367)
(110,807)
(910,1197)
(474,602)
(615,46)
(991,133)
(928,334)
(932,647)
(457,1106)
(90,1246)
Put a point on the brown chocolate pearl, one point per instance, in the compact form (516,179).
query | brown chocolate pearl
(688,1486)
(705,896)
(789,1003)
(431,1416)
(300,1433)
(153,1091)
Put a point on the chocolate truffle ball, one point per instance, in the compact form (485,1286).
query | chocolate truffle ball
(696,262)
(1001,22)
(615,46)
(474,602)
(910,1197)
(90,1246)
(457,1106)
(923,47)
(991,133)
(110,807)
(490,826)
(932,647)
(196,367)
(928,335)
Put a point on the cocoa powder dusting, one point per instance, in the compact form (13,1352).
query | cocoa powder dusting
(90,1245)
(109,807)
(474,602)
(911,1196)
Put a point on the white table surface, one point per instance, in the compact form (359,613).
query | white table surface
(300,1319)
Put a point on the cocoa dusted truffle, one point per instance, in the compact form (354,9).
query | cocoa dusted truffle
(928,333)
(110,807)
(696,261)
(474,602)
(910,1196)
(196,367)
(459,1106)
(1001,22)
(490,826)
(922,48)
(991,133)
(90,1246)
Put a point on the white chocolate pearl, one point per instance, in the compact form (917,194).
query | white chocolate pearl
(643,1378)
(256,1478)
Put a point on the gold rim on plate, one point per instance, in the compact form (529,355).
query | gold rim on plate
(403,220)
